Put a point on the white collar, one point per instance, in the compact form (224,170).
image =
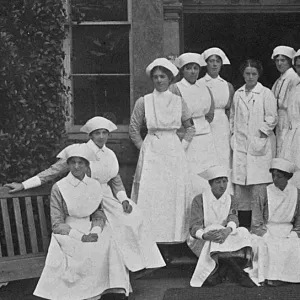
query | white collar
(91,144)
(207,77)
(187,84)
(287,73)
(256,90)
(159,94)
(75,181)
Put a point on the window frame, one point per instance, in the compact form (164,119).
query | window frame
(71,128)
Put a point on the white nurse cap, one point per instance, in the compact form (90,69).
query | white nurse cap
(214,172)
(188,58)
(97,123)
(78,150)
(283,165)
(162,62)
(296,55)
(283,50)
(216,51)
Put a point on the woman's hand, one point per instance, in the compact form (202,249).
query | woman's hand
(14,187)
(211,236)
(127,208)
(223,234)
(90,238)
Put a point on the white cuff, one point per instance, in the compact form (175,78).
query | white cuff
(199,234)
(96,229)
(31,182)
(75,234)
(122,196)
(293,234)
(232,225)
(185,144)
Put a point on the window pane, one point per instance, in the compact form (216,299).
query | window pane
(107,96)
(100,49)
(100,10)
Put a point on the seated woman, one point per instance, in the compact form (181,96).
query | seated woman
(215,237)
(276,229)
(83,261)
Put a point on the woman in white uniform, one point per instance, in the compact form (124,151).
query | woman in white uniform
(160,186)
(276,229)
(83,261)
(202,152)
(215,236)
(282,56)
(222,92)
(296,62)
(128,223)
(253,117)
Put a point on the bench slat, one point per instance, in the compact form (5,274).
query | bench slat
(7,228)
(19,224)
(42,218)
(31,225)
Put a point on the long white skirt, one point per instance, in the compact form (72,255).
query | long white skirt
(75,270)
(160,187)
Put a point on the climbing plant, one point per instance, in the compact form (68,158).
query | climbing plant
(32,115)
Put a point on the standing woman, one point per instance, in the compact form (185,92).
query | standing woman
(283,55)
(253,117)
(222,92)
(296,62)
(201,153)
(160,186)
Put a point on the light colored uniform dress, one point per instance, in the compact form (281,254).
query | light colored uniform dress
(75,270)
(210,213)
(201,153)
(160,186)
(291,143)
(250,115)
(222,93)
(276,232)
(138,248)
(281,89)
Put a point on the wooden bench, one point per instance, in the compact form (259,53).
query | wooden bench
(25,232)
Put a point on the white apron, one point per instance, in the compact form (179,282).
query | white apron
(75,270)
(215,213)
(135,243)
(160,182)
(201,153)
(275,255)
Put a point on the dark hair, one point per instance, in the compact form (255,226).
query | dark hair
(290,61)
(212,180)
(215,55)
(296,58)
(164,70)
(182,68)
(90,134)
(253,63)
(85,161)
(285,174)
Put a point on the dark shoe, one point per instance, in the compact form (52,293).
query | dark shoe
(213,280)
(246,281)
(275,282)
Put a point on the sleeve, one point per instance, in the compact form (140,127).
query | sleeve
(296,221)
(187,122)
(136,122)
(197,217)
(211,113)
(58,212)
(260,216)
(271,117)
(175,90)
(232,113)
(228,105)
(98,218)
(117,188)
(232,220)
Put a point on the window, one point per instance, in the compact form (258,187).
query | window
(98,61)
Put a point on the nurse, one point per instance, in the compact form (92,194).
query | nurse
(202,152)
(296,62)
(282,56)
(222,92)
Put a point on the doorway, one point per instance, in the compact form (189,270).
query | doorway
(242,36)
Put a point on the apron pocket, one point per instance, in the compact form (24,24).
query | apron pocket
(258,146)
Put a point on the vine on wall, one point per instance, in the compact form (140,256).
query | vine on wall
(32,117)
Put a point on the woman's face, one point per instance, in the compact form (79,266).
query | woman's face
(78,167)
(160,80)
(251,76)
(100,137)
(297,65)
(279,179)
(214,64)
(191,72)
(219,186)
(282,63)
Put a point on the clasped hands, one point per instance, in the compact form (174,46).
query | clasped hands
(217,235)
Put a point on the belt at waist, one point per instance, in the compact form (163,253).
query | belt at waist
(162,132)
